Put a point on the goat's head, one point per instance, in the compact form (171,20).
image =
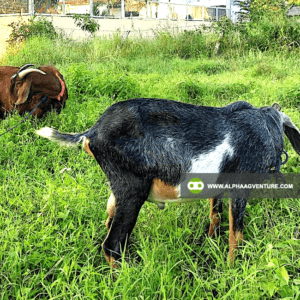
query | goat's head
(28,86)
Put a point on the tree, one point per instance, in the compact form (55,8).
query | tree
(45,6)
(255,9)
(41,2)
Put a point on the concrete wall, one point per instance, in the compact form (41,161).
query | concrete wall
(144,28)
(110,26)
(5,31)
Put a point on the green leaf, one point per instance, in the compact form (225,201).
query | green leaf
(270,287)
(296,281)
(283,275)
(286,292)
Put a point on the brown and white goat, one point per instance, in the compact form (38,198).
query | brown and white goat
(23,88)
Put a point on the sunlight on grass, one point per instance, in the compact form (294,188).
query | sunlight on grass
(53,199)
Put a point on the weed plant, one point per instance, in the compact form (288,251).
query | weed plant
(53,198)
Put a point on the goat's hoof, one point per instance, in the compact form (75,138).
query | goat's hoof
(111,261)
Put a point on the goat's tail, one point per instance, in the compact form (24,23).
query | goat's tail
(67,139)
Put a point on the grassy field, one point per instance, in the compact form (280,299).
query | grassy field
(53,199)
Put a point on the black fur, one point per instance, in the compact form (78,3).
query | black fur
(138,140)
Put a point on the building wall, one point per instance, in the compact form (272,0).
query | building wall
(109,27)
(13,6)
(134,6)
(74,2)
(5,30)
(175,12)
(80,2)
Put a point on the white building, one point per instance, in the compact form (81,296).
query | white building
(182,9)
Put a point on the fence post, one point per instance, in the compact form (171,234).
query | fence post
(228,9)
(64,7)
(203,13)
(91,8)
(122,9)
(31,7)
(217,13)
(147,9)
(187,12)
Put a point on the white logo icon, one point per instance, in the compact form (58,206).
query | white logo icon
(195,186)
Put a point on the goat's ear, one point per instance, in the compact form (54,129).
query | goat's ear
(23,92)
(292,132)
(276,106)
(12,83)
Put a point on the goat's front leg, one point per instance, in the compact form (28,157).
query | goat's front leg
(237,209)
(213,216)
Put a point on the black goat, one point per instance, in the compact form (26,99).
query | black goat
(145,146)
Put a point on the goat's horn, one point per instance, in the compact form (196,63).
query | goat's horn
(21,69)
(25,72)
(25,67)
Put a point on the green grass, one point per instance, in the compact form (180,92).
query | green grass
(53,198)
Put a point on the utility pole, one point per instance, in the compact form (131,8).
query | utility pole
(122,9)
(91,8)
(228,8)
(31,7)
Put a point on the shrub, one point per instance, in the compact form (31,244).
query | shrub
(42,27)
(22,30)
(267,28)
(255,9)
(86,23)
(189,43)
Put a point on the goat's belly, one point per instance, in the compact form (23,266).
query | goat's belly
(162,192)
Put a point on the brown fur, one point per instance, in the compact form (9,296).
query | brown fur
(110,259)
(214,218)
(86,147)
(111,209)
(163,191)
(235,236)
(15,97)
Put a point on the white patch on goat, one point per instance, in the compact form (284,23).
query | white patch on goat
(210,162)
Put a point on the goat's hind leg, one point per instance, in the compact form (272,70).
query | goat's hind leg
(126,205)
(111,210)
